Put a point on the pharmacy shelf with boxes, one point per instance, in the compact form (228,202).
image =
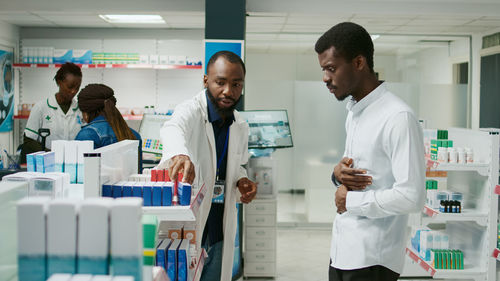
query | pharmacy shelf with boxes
(33,56)
(458,230)
(116,222)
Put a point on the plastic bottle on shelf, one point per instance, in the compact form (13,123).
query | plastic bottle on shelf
(469,155)
(452,155)
(443,155)
(461,155)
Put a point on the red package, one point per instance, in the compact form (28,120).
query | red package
(154,175)
(160,175)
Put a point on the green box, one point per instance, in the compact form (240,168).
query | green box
(450,143)
(150,227)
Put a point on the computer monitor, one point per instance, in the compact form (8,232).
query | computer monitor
(150,132)
(268,128)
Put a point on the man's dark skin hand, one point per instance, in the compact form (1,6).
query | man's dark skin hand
(182,164)
(340,199)
(248,190)
(353,179)
(350,179)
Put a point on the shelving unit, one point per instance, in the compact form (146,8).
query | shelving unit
(108,66)
(466,273)
(474,231)
(435,216)
(260,238)
(180,214)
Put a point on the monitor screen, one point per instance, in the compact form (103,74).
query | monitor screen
(268,128)
(150,132)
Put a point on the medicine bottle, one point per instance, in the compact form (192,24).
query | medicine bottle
(461,155)
(452,155)
(443,154)
(469,155)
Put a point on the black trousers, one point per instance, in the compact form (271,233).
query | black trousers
(371,273)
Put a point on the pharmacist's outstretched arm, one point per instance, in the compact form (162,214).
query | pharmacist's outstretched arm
(248,190)
(181,164)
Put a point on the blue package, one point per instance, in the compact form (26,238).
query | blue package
(147,194)
(31,161)
(82,56)
(31,268)
(184,193)
(168,188)
(63,55)
(116,190)
(137,190)
(157,194)
(127,189)
(106,190)
(130,266)
(39,163)
(161,253)
(61,264)
(89,265)
(183,261)
(80,173)
(172,259)
(59,167)
(71,170)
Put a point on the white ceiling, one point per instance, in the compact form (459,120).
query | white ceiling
(292,25)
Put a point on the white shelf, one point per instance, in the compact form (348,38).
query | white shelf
(178,213)
(110,66)
(481,168)
(469,272)
(465,215)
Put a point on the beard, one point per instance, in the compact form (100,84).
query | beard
(223,112)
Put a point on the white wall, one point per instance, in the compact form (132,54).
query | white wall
(134,88)
(280,81)
(9,38)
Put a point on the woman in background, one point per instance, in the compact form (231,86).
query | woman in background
(58,114)
(105,123)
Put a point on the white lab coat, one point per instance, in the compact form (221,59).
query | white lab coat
(190,133)
(48,114)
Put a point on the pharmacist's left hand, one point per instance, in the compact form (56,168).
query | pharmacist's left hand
(340,199)
(248,190)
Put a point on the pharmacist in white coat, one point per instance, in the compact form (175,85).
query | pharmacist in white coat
(207,141)
(59,112)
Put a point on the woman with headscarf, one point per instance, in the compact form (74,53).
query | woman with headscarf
(105,123)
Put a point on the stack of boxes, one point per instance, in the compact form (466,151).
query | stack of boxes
(160,191)
(42,162)
(65,157)
(433,246)
(447,259)
(175,256)
(88,277)
(441,141)
(115,58)
(66,236)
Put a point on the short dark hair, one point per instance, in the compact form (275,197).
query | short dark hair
(67,68)
(229,56)
(349,39)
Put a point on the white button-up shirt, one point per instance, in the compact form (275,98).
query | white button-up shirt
(385,138)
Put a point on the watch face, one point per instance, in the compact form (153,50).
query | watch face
(6,85)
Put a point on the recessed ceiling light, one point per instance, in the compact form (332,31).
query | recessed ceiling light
(153,19)
(374,36)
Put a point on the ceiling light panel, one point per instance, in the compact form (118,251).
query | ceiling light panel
(143,19)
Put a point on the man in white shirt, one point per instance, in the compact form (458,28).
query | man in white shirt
(381,177)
